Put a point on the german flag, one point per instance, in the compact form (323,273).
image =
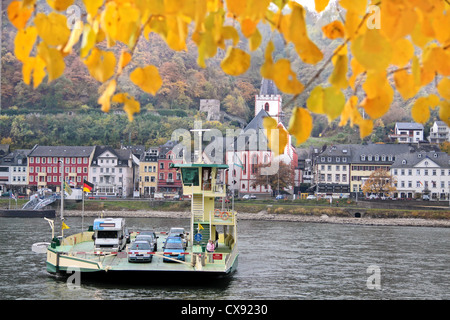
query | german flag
(87,186)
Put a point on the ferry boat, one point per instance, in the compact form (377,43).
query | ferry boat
(203,183)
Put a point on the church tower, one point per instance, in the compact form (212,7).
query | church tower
(269,99)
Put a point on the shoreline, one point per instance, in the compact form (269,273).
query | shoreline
(263,215)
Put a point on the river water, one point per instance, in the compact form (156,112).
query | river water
(278,260)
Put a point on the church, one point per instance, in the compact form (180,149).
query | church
(249,149)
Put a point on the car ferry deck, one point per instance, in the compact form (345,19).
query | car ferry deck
(202,182)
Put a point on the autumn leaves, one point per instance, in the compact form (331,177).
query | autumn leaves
(385,44)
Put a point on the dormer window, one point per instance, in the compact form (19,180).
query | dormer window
(377,158)
(403,161)
(363,157)
(383,157)
(435,155)
(419,155)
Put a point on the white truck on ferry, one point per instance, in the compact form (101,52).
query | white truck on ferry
(110,235)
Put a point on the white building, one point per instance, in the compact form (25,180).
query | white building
(112,172)
(406,132)
(422,173)
(439,132)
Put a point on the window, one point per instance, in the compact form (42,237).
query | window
(418,172)
(363,157)
(161,176)
(344,159)
(426,172)
(409,172)
(329,168)
(344,178)
(266,107)
(418,184)
(31,159)
(329,177)
(434,172)
(161,165)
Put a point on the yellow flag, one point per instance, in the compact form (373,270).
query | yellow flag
(65,226)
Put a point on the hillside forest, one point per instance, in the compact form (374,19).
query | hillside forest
(66,111)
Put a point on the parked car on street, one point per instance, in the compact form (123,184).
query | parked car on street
(179,232)
(140,251)
(279,197)
(173,248)
(150,239)
(311,197)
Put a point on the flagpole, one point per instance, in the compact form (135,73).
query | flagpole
(62,197)
(82,210)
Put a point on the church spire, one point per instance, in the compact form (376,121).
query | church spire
(268,87)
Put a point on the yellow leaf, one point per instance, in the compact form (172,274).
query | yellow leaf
(351,25)
(300,125)
(320,5)
(101,64)
(267,67)
(74,36)
(147,78)
(309,52)
(125,58)
(176,33)
(365,127)
(59,5)
(295,31)
(397,21)
(372,50)
(315,100)
(105,99)
(444,88)
(402,52)
(358,6)
(405,84)
(420,111)
(24,42)
(334,30)
(236,61)
(52,28)
(54,61)
(35,66)
(338,77)
(255,40)
(444,111)
(436,59)
(88,40)
(18,15)
(357,69)
(128,19)
(418,36)
(350,112)
(236,7)
(285,79)
(130,105)
(333,102)
(441,27)
(379,94)
(277,136)
(229,32)
(248,27)
(92,6)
